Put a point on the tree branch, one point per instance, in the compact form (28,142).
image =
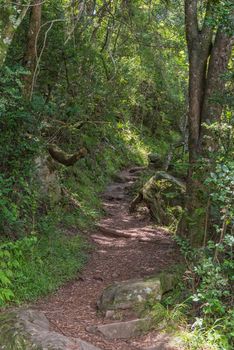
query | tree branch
(65,158)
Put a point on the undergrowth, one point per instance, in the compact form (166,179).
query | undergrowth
(113,148)
(53,251)
(39,243)
(202,304)
(34,266)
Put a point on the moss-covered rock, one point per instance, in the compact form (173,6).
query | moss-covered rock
(48,180)
(13,335)
(163,194)
(29,330)
(155,160)
(129,294)
(124,295)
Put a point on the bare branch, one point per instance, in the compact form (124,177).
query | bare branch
(78,18)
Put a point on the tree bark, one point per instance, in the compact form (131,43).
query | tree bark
(219,58)
(199,44)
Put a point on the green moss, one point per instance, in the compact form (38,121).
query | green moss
(171,277)
(12,336)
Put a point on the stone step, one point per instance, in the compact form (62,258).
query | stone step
(137,169)
(122,330)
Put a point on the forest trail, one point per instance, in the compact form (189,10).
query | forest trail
(126,246)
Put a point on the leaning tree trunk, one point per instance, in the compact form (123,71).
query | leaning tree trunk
(207,63)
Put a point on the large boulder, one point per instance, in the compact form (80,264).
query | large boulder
(26,329)
(48,180)
(129,294)
(163,194)
(124,295)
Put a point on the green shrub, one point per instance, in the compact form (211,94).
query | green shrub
(35,266)
(12,255)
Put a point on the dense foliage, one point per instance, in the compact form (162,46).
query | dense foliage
(112,77)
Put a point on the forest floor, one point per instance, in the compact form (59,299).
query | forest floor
(126,246)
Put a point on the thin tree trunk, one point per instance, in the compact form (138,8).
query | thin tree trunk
(31,49)
(8,26)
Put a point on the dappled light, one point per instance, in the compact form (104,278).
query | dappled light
(116,174)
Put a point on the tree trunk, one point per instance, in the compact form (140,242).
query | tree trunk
(11,16)
(212,108)
(207,64)
(31,49)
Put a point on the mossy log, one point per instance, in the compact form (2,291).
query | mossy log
(157,194)
(66,158)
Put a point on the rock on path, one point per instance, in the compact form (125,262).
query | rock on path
(29,330)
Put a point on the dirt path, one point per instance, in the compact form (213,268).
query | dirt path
(143,251)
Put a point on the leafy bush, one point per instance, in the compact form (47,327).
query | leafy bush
(11,256)
(17,150)
(209,278)
(35,266)
(209,290)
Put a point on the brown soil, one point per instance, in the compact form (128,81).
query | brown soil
(139,249)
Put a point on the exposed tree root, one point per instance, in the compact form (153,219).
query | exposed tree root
(112,232)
